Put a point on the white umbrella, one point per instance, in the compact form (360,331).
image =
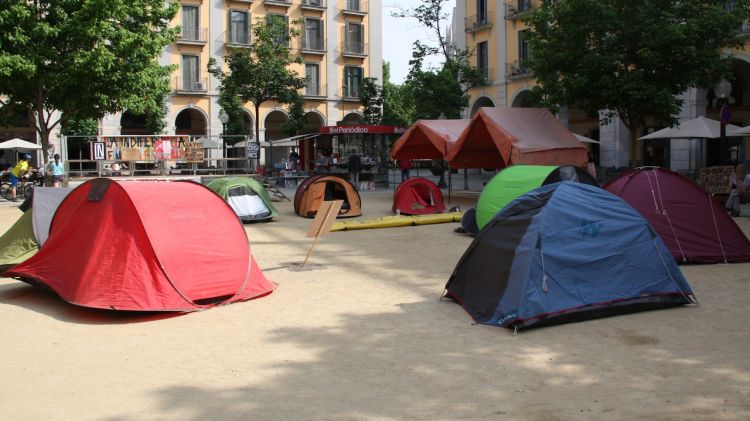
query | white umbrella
(19,145)
(700,127)
(742,131)
(585,139)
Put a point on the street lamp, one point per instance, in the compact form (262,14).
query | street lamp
(441,182)
(722,90)
(224,119)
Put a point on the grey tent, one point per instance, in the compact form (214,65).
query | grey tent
(45,203)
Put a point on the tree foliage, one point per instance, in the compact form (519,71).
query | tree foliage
(296,119)
(442,90)
(83,58)
(629,59)
(260,72)
(398,108)
(371,95)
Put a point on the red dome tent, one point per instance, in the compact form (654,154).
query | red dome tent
(418,196)
(693,225)
(146,246)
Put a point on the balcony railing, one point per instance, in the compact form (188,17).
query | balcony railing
(745,29)
(517,69)
(350,94)
(514,9)
(283,3)
(313,4)
(354,49)
(193,35)
(355,7)
(488,73)
(315,91)
(190,86)
(313,45)
(236,40)
(476,23)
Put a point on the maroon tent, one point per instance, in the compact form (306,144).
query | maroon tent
(694,226)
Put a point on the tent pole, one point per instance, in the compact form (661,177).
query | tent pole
(450,184)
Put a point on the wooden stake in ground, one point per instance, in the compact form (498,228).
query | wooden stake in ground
(323,222)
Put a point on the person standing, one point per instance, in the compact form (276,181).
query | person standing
(591,166)
(21,168)
(355,167)
(740,192)
(294,159)
(321,163)
(56,171)
(405,166)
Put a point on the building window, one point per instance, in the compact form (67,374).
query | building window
(239,25)
(190,74)
(524,52)
(354,38)
(352,81)
(279,24)
(313,36)
(353,5)
(312,79)
(482,59)
(524,5)
(190,23)
(481,12)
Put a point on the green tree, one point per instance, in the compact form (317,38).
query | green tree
(231,104)
(82,59)
(83,127)
(629,59)
(296,120)
(398,105)
(260,72)
(371,96)
(447,86)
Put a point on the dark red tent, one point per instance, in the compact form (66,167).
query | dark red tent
(418,196)
(694,226)
(148,246)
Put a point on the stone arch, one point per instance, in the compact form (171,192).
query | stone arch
(482,101)
(273,124)
(133,124)
(353,119)
(248,122)
(191,121)
(315,120)
(521,99)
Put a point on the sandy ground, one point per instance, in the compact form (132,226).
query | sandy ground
(367,337)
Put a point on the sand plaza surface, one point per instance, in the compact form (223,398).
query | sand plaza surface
(365,335)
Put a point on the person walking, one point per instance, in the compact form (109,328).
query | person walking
(405,166)
(56,171)
(21,169)
(355,167)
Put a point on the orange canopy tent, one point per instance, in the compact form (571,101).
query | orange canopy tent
(428,139)
(500,137)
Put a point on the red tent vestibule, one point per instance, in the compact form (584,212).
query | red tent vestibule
(428,139)
(500,137)
(146,246)
(694,226)
(418,196)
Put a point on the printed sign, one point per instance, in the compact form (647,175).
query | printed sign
(163,149)
(716,180)
(98,151)
(194,153)
(253,150)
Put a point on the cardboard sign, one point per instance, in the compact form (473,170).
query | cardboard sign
(194,153)
(98,151)
(131,154)
(323,222)
(716,180)
(253,150)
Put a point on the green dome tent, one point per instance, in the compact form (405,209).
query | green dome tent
(246,196)
(516,180)
(30,231)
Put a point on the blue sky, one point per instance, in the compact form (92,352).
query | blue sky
(399,35)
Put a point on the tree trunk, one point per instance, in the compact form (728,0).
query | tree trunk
(257,133)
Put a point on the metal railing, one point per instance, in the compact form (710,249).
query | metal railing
(315,91)
(354,48)
(313,4)
(197,85)
(233,39)
(515,9)
(193,35)
(488,73)
(517,69)
(476,23)
(355,6)
(312,44)
(350,94)
(278,2)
